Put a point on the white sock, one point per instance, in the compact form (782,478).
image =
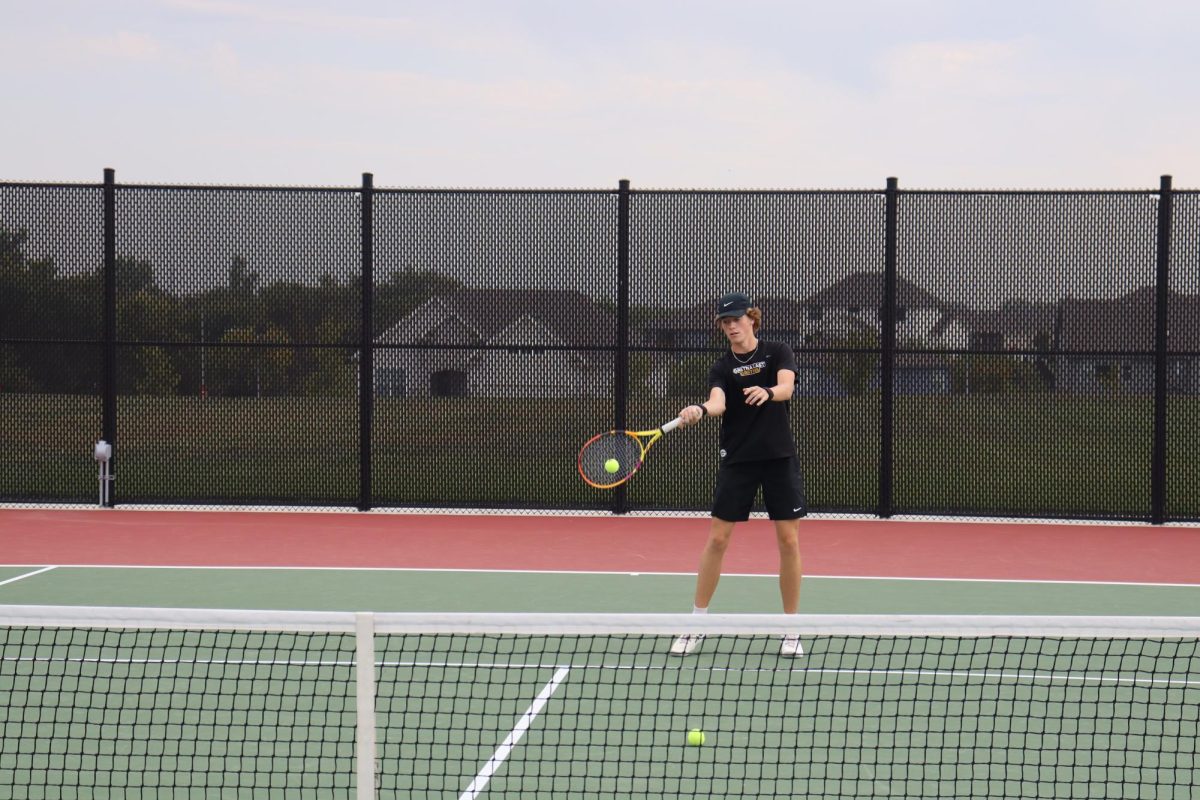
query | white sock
(699,610)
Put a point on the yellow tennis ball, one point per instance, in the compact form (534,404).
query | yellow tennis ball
(695,737)
(612,465)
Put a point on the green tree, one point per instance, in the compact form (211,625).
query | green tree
(1110,379)
(330,372)
(13,376)
(689,377)
(252,364)
(859,361)
(27,289)
(988,374)
(134,276)
(148,315)
(639,374)
(37,302)
(156,375)
(241,279)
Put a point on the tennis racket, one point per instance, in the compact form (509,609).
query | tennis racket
(609,459)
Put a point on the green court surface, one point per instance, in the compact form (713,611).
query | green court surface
(414,590)
(149,714)
(252,714)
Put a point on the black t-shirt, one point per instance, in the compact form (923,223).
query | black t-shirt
(753,433)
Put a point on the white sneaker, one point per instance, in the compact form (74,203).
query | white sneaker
(791,647)
(686,645)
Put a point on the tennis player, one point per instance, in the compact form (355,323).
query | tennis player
(750,386)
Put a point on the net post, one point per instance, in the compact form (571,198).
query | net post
(364,692)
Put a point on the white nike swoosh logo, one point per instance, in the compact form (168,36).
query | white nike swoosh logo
(726,305)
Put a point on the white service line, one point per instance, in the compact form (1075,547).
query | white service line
(689,575)
(506,747)
(27,575)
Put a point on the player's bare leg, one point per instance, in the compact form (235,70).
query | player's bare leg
(706,581)
(711,559)
(787,533)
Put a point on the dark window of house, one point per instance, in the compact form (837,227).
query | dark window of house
(448,383)
(987,340)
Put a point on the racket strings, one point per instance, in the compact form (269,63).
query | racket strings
(618,446)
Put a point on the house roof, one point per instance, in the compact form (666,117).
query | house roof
(1127,323)
(1015,317)
(862,290)
(779,314)
(865,289)
(570,316)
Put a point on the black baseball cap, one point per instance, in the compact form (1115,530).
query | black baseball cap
(734,304)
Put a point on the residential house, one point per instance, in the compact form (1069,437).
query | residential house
(499,343)
(1022,328)
(860,297)
(695,327)
(815,327)
(1107,346)
(1017,325)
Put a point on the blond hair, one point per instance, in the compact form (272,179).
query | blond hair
(754,313)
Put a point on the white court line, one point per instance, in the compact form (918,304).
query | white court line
(26,575)
(514,736)
(773,576)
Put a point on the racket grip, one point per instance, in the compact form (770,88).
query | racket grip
(672,425)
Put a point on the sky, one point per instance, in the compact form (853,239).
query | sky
(1058,94)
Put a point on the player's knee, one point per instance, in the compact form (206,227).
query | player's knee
(718,540)
(788,537)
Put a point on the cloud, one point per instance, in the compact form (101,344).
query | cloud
(674,95)
(121,45)
(271,15)
(416,26)
(982,69)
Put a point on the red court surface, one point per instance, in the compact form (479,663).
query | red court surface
(833,547)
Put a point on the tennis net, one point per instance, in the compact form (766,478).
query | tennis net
(139,703)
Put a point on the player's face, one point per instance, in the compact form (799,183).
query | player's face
(738,330)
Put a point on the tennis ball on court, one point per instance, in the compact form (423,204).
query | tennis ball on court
(612,465)
(695,737)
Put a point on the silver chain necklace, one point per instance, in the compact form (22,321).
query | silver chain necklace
(747,358)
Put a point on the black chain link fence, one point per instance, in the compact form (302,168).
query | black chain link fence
(984,353)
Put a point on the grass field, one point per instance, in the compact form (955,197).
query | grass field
(1018,454)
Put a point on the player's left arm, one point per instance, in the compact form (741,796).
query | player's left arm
(785,376)
(785,384)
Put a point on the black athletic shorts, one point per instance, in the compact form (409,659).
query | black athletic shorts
(782,489)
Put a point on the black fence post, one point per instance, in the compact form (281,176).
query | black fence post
(621,361)
(366,372)
(1162,312)
(887,322)
(108,424)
